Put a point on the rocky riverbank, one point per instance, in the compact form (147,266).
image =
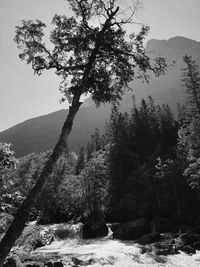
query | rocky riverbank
(154,243)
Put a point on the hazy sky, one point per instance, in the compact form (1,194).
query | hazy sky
(24,95)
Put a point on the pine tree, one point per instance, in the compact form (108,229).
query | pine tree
(191,80)
(189,134)
(80,162)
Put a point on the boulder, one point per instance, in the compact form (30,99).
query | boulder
(94,229)
(185,242)
(146,248)
(58,264)
(132,230)
(188,249)
(43,238)
(5,221)
(114,226)
(94,226)
(149,238)
(166,247)
(54,264)
(79,262)
(34,236)
(13,261)
(33,264)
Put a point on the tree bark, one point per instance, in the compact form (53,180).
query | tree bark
(22,215)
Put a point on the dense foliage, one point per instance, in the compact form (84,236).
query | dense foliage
(147,163)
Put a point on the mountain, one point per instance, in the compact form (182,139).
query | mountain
(40,134)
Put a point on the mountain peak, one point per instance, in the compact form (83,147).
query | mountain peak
(174,48)
(40,134)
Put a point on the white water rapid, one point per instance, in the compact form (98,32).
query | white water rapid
(74,251)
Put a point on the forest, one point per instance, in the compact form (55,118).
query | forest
(138,179)
(145,165)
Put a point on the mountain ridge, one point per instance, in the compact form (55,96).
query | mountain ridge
(40,133)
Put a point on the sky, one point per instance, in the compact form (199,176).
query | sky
(24,95)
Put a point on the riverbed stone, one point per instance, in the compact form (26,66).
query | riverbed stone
(94,229)
(33,264)
(58,264)
(13,261)
(54,264)
(132,230)
(94,226)
(149,238)
(5,221)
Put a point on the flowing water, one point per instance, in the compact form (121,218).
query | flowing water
(75,251)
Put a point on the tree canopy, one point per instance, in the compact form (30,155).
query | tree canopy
(90,51)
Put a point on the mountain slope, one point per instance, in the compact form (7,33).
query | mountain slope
(40,134)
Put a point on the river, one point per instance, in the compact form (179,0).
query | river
(75,251)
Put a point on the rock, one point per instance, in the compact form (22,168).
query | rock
(5,221)
(44,238)
(114,226)
(94,226)
(132,230)
(196,245)
(188,249)
(33,264)
(58,264)
(34,236)
(54,264)
(187,243)
(186,239)
(163,251)
(13,261)
(166,247)
(78,262)
(94,229)
(149,238)
(146,248)
(163,225)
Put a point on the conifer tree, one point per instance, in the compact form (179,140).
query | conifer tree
(189,133)
(80,162)
(191,80)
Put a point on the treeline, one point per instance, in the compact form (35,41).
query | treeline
(146,164)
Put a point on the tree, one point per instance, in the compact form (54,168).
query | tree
(191,79)
(168,170)
(136,141)
(7,164)
(80,161)
(7,159)
(97,58)
(189,137)
(94,182)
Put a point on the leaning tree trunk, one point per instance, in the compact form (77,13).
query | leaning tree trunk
(22,215)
